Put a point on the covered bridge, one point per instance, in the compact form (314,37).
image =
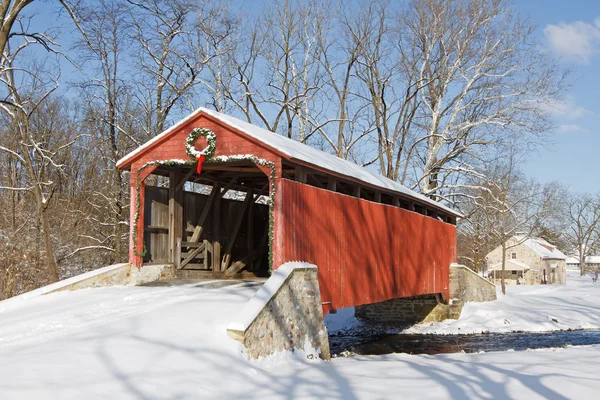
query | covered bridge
(372,238)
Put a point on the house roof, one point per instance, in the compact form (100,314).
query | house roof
(588,260)
(510,265)
(294,150)
(544,249)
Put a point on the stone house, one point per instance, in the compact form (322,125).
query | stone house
(529,261)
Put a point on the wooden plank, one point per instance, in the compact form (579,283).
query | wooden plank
(238,223)
(192,255)
(228,186)
(178,254)
(301,174)
(200,225)
(332,184)
(216,245)
(377,197)
(185,179)
(250,230)
(175,222)
(237,266)
(200,256)
(200,274)
(191,244)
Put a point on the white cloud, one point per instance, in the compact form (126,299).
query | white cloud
(571,128)
(576,41)
(567,108)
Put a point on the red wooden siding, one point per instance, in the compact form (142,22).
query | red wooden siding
(366,252)
(229,143)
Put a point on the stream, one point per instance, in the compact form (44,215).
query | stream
(473,343)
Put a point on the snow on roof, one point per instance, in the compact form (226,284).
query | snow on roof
(301,152)
(511,265)
(588,260)
(545,250)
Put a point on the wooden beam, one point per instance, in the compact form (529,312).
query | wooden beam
(314,179)
(249,169)
(236,228)
(228,186)
(178,254)
(175,213)
(200,224)
(184,179)
(331,184)
(216,245)
(262,189)
(193,254)
(377,197)
(250,230)
(301,174)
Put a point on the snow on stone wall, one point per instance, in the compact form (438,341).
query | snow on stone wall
(285,315)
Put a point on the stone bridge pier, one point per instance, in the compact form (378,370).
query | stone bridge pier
(465,285)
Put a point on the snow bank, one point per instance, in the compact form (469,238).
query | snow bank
(536,308)
(170,342)
(60,285)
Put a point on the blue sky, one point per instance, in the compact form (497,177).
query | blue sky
(572,30)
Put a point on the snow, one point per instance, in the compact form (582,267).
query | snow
(588,260)
(297,151)
(535,308)
(171,342)
(544,249)
(511,265)
(255,305)
(15,301)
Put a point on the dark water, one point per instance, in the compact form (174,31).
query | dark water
(439,344)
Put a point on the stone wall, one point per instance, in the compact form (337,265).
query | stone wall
(117,274)
(284,315)
(425,308)
(465,285)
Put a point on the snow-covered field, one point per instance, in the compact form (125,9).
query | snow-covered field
(575,305)
(170,342)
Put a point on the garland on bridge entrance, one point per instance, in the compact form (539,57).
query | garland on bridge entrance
(199,157)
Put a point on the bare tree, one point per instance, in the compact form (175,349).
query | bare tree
(583,234)
(173,42)
(109,116)
(484,78)
(26,88)
(511,204)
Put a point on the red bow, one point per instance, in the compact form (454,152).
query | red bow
(200,159)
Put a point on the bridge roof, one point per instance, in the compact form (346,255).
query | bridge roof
(294,151)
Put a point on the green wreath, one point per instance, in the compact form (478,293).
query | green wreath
(209,151)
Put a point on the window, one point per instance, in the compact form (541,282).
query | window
(514,272)
(513,256)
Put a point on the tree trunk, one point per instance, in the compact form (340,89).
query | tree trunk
(581,261)
(503,267)
(51,266)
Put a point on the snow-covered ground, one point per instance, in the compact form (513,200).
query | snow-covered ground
(575,305)
(170,342)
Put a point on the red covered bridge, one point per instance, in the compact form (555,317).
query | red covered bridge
(262,199)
